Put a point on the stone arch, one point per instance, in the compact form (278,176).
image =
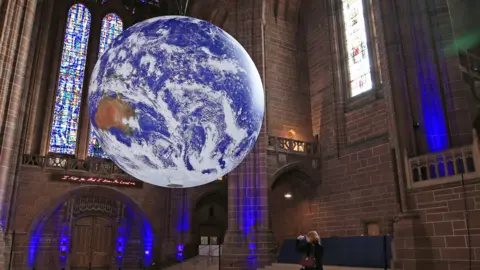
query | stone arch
(211,196)
(297,168)
(290,216)
(203,222)
(35,229)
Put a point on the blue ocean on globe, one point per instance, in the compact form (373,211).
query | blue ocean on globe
(176,102)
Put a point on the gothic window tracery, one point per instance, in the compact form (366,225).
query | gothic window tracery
(356,44)
(112,26)
(63,135)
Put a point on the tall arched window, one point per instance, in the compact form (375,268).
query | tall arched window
(112,26)
(63,136)
(356,43)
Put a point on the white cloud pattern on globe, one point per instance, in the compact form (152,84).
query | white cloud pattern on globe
(176,101)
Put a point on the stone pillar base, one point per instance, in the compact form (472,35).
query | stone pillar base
(5,249)
(405,230)
(252,251)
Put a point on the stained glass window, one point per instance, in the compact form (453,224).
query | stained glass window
(112,26)
(153,2)
(359,71)
(63,137)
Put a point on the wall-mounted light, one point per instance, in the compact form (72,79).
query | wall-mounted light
(287,195)
(291,134)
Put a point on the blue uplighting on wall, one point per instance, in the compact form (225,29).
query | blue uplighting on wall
(148,239)
(33,245)
(433,116)
(180,249)
(120,245)
(432,108)
(183,219)
(248,208)
(63,244)
(36,237)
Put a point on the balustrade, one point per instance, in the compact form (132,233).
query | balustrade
(94,166)
(291,145)
(443,167)
(105,167)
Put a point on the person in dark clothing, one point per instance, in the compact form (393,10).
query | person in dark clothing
(311,247)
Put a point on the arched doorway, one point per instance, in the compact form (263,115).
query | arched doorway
(92,242)
(91,228)
(210,221)
(290,204)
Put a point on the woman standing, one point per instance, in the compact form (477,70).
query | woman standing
(310,246)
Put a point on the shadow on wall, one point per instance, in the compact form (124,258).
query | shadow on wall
(210,219)
(291,205)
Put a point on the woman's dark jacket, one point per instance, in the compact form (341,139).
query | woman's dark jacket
(307,249)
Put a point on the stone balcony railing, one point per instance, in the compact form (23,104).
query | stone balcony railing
(105,167)
(455,164)
(93,166)
(279,144)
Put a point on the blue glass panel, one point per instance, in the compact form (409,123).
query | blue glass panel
(63,137)
(112,26)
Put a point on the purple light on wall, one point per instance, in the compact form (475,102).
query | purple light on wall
(120,245)
(180,248)
(250,220)
(32,247)
(183,219)
(64,243)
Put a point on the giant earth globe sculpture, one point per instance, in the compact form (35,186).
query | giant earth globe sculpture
(176,102)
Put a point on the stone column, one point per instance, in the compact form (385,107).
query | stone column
(249,240)
(180,222)
(18,22)
(403,248)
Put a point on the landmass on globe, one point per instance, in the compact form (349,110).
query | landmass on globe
(112,113)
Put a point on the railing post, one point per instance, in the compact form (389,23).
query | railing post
(408,169)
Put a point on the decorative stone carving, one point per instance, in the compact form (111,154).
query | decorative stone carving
(96,204)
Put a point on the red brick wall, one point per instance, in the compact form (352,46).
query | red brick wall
(443,234)
(367,122)
(357,188)
(288,98)
(356,182)
(290,217)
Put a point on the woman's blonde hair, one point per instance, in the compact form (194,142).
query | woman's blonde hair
(313,235)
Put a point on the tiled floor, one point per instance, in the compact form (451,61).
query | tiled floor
(209,263)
